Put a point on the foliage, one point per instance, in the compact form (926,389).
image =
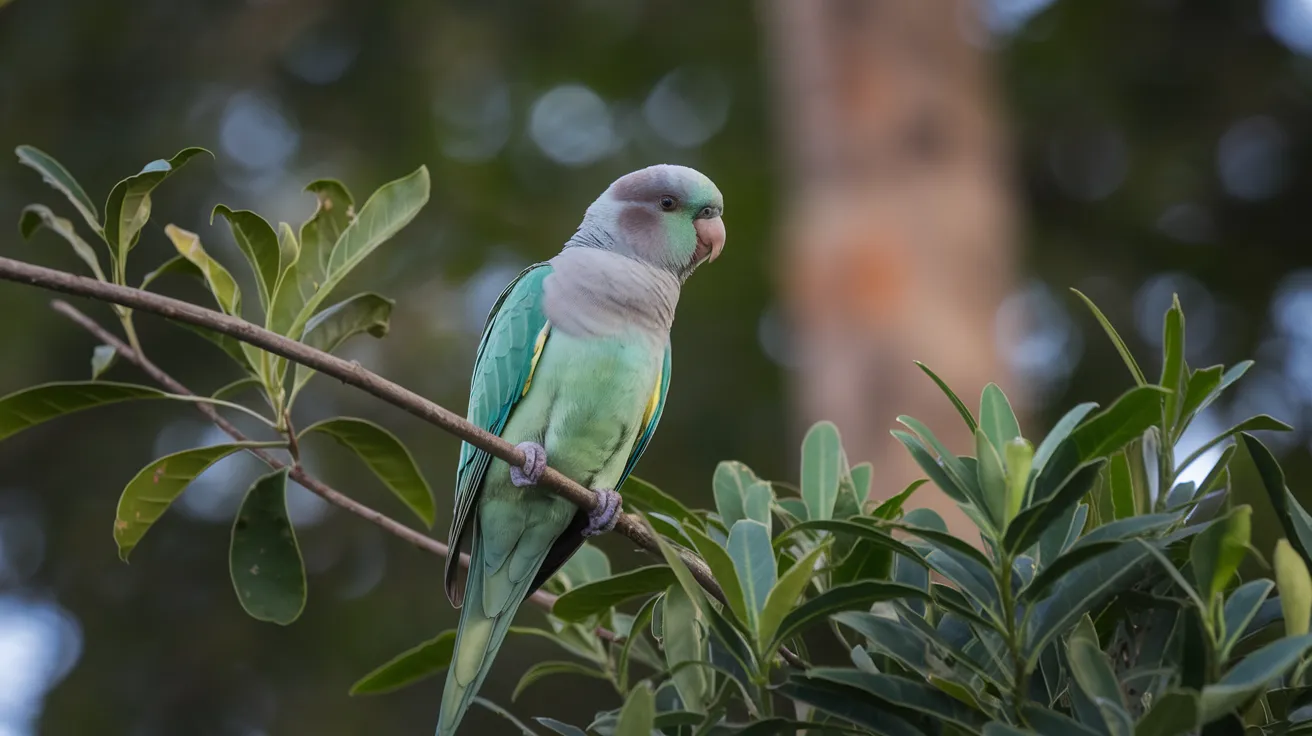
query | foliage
(1102,596)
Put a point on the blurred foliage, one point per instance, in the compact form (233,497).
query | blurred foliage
(1120,114)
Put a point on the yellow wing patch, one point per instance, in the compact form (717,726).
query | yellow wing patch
(537,355)
(653,403)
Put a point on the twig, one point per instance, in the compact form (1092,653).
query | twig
(298,473)
(355,375)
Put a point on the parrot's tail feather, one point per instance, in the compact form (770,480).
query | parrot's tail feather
(477,641)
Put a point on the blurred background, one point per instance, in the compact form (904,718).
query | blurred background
(905,180)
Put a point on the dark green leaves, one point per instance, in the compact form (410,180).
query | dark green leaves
(327,330)
(387,457)
(410,666)
(58,177)
(1251,675)
(1295,520)
(36,216)
(150,493)
(956,402)
(602,595)
(822,462)
(265,560)
(259,243)
(32,406)
(1115,338)
(128,207)
(753,559)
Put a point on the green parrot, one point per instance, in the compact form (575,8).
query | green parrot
(574,365)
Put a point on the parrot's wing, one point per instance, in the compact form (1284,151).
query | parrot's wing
(653,417)
(512,343)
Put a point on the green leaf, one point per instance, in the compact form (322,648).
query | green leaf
(234,348)
(589,564)
(410,666)
(891,508)
(602,595)
(1019,457)
(931,467)
(722,567)
(36,216)
(128,208)
(1063,565)
(850,597)
(103,358)
(998,728)
(1090,666)
(362,313)
(1115,338)
(31,406)
(846,702)
(1174,713)
(757,502)
(643,496)
(387,457)
(996,418)
(1174,372)
(1252,675)
(333,213)
(149,494)
(729,485)
(638,716)
(901,692)
(388,210)
(1258,423)
(640,622)
(753,559)
(1125,420)
(58,177)
(259,243)
(1079,592)
(1199,392)
(221,283)
(234,388)
(176,264)
(822,463)
(957,402)
(862,474)
(1122,486)
(963,478)
(861,530)
(1240,609)
(1060,431)
(1296,521)
(564,729)
(264,558)
(1216,552)
(685,641)
(289,252)
(783,597)
(1295,589)
(991,478)
(549,668)
(493,707)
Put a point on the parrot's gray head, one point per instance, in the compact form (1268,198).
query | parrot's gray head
(665,215)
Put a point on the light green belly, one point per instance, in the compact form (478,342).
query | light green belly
(585,406)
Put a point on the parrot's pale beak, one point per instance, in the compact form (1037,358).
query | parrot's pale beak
(710,237)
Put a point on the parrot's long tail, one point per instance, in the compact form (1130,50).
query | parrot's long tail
(480,635)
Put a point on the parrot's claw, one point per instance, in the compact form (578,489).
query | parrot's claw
(602,519)
(535,463)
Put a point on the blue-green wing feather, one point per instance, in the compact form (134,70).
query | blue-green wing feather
(501,369)
(641,445)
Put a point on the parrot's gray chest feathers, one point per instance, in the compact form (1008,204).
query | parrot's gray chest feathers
(598,293)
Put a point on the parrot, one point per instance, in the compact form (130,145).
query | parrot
(573,368)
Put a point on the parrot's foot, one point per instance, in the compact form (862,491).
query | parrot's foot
(602,519)
(535,463)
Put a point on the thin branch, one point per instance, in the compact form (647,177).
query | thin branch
(352,374)
(298,473)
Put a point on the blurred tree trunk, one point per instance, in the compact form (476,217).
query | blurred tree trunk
(898,229)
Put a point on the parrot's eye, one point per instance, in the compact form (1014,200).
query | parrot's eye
(706,212)
(667,203)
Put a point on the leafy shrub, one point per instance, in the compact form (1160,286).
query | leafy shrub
(1103,595)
